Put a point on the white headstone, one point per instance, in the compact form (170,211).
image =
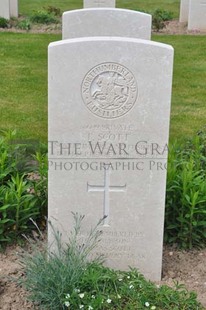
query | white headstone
(184,11)
(106,22)
(197,15)
(5,9)
(99,3)
(14,8)
(109,111)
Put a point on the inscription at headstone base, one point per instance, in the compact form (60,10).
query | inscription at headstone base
(106,22)
(109,110)
(99,3)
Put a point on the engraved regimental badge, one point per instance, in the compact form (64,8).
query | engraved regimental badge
(109,90)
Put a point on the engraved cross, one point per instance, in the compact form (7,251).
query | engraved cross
(106,189)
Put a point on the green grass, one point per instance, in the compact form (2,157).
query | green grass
(27,6)
(189,92)
(23,83)
(150,5)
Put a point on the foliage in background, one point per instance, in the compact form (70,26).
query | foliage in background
(185,217)
(4,23)
(26,7)
(48,15)
(159,19)
(24,24)
(23,188)
(53,10)
(43,17)
(68,279)
(52,14)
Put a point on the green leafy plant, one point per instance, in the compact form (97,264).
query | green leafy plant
(165,15)
(50,274)
(159,19)
(67,279)
(104,288)
(17,206)
(38,179)
(7,163)
(185,217)
(24,24)
(43,17)
(23,188)
(4,23)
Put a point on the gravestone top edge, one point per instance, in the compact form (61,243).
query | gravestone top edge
(110,39)
(106,9)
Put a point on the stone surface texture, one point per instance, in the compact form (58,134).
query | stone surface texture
(5,9)
(197,15)
(99,3)
(106,22)
(109,107)
(184,11)
(14,8)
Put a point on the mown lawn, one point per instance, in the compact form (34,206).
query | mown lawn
(189,91)
(27,6)
(23,83)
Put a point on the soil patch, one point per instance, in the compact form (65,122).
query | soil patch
(175,27)
(186,267)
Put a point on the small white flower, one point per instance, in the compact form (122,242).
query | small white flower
(153,307)
(118,296)
(67,303)
(90,308)
(81,295)
(128,277)
(93,296)
(131,286)
(81,306)
(109,301)
(120,279)
(146,304)
(67,296)
(77,290)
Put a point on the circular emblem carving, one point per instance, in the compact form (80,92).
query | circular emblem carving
(109,90)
